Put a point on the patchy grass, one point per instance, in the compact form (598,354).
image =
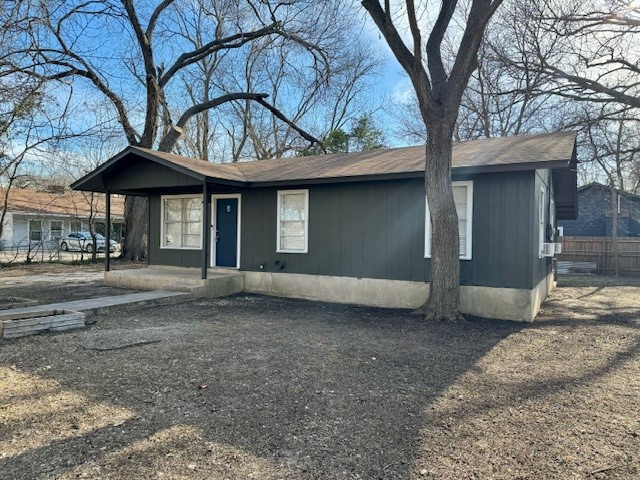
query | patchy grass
(16,269)
(259,387)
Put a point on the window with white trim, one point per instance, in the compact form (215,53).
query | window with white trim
(75,226)
(55,229)
(293,221)
(35,230)
(463,198)
(181,222)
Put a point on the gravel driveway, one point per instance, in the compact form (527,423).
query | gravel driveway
(266,388)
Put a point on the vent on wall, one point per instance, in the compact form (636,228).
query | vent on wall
(547,250)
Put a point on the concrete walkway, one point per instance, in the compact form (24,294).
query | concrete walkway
(93,305)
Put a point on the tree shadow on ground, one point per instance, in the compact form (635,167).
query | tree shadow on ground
(273,388)
(313,389)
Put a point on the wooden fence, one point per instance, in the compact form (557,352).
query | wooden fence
(600,251)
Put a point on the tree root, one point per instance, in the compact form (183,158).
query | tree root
(121,347)
(431,316)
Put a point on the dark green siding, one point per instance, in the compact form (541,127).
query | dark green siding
(376,230)
(372,230)
(144,174)
(503,234)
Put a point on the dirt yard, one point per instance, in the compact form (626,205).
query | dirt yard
(56,282)
(266,388)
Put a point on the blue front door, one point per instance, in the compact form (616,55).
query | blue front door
(226,235)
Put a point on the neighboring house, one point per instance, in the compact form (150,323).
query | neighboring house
(595,215)
(355,227)
(37,220)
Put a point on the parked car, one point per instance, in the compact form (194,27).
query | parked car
(82,241)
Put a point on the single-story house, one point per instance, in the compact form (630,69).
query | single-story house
(595,215)
(355,227)
(37,219)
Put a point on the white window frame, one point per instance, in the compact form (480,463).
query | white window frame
(29,231)
(469,232)
(51,237)
(541,221)
(306,220)
(179,197)
(71,230)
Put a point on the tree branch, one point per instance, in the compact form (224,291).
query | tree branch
(434,44)
(174,133)
(226,43)
(415,70)
(310,138)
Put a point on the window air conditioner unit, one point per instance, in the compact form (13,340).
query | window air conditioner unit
(557,248)
(547,250)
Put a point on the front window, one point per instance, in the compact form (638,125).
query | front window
(76,226)
(35,230)
(463,198)
(182,222)
(293,221)
(55,229)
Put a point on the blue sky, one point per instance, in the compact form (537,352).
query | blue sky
(390,85)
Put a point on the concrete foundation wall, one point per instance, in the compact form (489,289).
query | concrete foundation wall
(176,279)
(488,302)
(539,294)
(360,291)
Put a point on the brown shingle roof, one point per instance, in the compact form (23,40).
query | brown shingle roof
(492,152)
(73,204)
(226,171)
(525,152)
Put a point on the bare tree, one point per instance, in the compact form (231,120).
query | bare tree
(31,129)
(317,101)
(590,48)
(69,42)
(504,99)
(507,94)
(611,144)
(439,91)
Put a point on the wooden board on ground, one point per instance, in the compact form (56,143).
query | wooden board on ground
(37,322)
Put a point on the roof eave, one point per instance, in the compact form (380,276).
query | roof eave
(91,175)
(77,185)
(513,167)
(456,171)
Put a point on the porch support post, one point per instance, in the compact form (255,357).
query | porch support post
(148,253)
(206,229)
(107,231)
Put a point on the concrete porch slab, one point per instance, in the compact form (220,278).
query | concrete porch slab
(218,283)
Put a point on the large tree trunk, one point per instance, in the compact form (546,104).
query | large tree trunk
(135,224)
(444,295)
